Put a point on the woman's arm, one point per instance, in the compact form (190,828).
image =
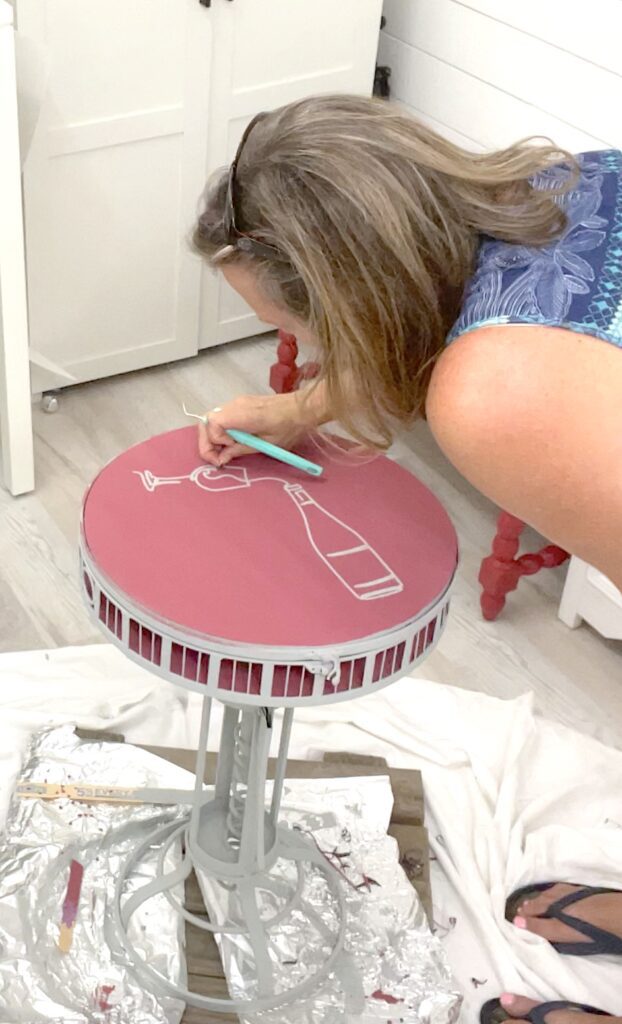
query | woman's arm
(532,417)
(281,419)
(312,405)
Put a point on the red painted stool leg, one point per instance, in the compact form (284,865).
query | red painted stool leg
(285,374)
(500,572)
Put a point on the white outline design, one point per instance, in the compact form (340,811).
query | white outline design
(384,581)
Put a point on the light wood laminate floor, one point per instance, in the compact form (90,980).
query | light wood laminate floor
(576,676)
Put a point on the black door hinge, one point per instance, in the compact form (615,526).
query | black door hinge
(381,81)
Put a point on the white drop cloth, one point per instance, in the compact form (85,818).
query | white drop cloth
(511,798)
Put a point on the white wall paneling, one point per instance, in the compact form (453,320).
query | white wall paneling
(468,106)
(484,70)
(593,34)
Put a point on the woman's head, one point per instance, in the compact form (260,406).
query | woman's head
(369,222)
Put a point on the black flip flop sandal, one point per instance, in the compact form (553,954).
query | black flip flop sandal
(601,940)
(492,1012)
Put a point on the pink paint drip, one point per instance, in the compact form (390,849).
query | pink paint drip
(101,996)
(384,997)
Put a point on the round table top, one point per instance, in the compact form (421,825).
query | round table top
(260,553)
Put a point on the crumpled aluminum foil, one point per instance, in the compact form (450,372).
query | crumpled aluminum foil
(391,958)
(38,982)
(393,971)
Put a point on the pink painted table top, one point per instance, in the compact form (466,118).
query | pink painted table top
(259,553)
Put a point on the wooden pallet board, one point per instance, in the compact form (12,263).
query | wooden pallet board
(204,967)
(407,786)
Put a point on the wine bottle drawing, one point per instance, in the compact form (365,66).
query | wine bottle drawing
(343,550)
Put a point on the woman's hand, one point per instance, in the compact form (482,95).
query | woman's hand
(280,419)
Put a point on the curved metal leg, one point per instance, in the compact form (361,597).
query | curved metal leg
(232,843)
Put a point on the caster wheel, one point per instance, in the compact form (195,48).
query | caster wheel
(50,403)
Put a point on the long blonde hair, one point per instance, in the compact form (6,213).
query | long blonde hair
(376,219)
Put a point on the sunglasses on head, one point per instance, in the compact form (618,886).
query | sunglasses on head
(236,238)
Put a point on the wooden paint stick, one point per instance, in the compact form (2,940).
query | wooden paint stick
(95,793)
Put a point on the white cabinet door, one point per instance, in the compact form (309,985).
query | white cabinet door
(16,449)
(115,162)
(268,53)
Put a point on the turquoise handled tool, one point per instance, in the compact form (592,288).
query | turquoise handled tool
(266,447)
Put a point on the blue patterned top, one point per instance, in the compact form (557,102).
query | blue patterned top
(574,282)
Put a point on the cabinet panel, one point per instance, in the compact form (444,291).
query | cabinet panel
(305,40)
(268,53)
(110,271)
(126,108)
(105,59)
(111,179)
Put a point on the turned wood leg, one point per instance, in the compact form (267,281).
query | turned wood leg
(285,374)
(500,571)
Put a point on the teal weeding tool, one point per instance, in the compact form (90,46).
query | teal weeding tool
(266,447)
